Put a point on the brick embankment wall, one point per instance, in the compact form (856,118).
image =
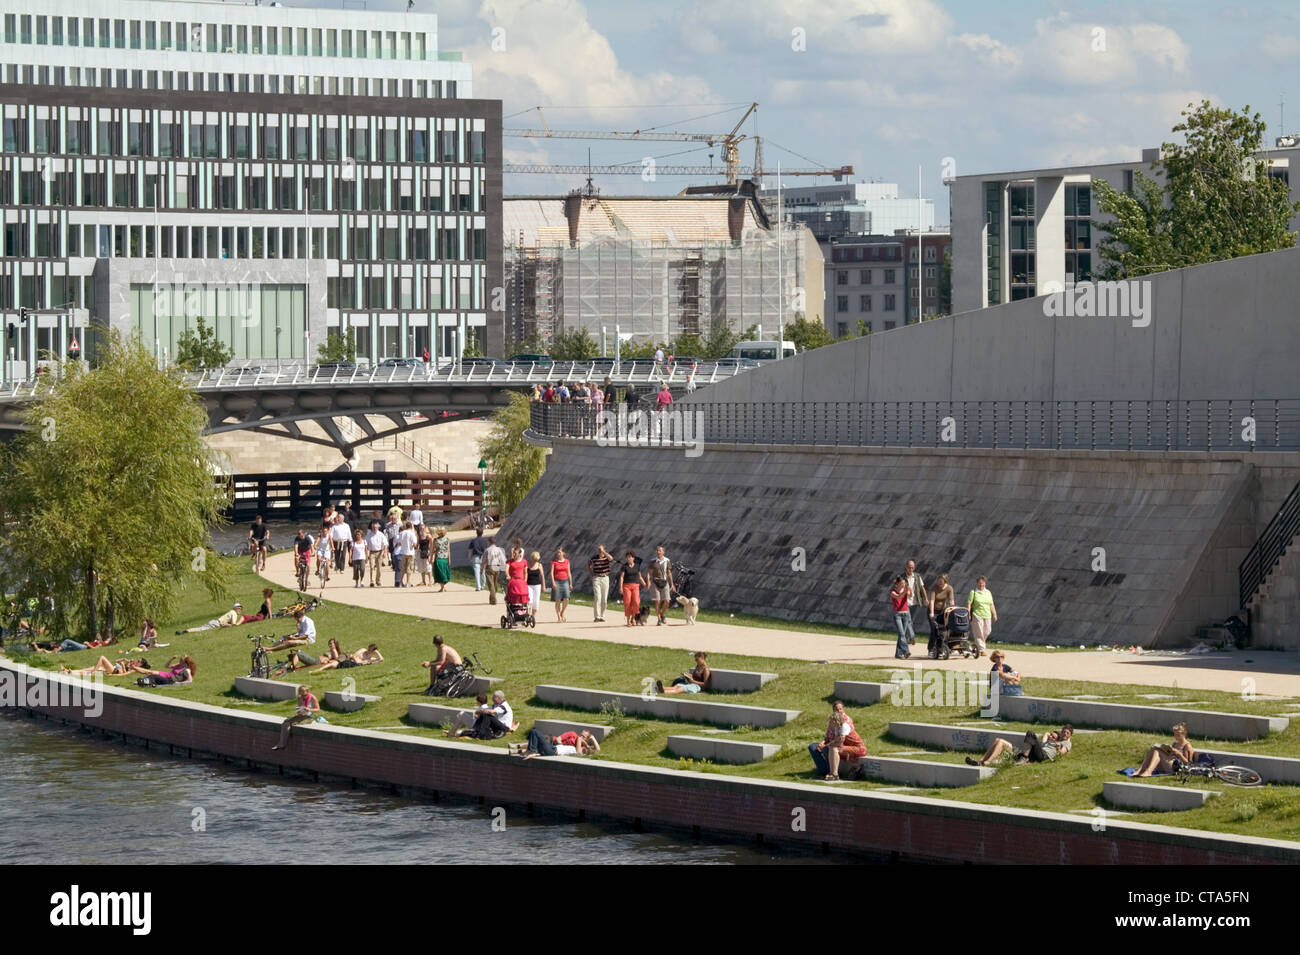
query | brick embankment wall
(880,825)
(1079,547)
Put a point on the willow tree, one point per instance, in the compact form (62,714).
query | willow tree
(515,465)
(109,494)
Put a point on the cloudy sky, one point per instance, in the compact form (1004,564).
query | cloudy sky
(887,86)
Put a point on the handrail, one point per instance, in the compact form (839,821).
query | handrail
(1269,548)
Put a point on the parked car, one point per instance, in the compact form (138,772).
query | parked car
(737,363)
(333,367)
(401,363)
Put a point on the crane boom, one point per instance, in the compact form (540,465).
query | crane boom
(661,170)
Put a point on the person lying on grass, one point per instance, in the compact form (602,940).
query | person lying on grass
(1032,749)
(106,666)
(1160,758)
(566,744)
(345,661)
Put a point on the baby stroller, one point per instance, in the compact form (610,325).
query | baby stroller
(518,614)
(684,588)
(954,636)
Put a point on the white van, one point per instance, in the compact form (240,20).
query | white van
(763,351)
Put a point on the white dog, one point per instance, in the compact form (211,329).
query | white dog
(691,607)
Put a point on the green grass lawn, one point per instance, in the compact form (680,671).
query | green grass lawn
(525,659)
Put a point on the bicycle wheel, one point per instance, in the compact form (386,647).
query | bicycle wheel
(460,685)
(1238,775)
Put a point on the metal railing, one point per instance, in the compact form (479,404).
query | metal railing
(279,374)
(422,457)
(1270,547)
(1206,425)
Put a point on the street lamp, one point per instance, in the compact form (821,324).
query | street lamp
(482,470)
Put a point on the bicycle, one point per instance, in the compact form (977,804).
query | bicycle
(261,668)
(458,681)
(1236,775)
(481,520)
(305,604)
(304,572)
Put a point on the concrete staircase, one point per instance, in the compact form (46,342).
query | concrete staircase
(1275,608)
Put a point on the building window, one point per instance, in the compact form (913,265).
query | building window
(889,276)
(864,276)
(890,305)
(889,325)
(931,254)
(864,303)
(841,303)
(841,278)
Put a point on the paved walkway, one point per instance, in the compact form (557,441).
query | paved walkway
(1274,673)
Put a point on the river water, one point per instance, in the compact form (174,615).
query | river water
(68,798)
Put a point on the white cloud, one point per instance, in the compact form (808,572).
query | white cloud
(1280,47)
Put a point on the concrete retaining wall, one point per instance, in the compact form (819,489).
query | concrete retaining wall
(884,825)
(738,681)
(1127,716)
(1153,797)
(952,737)
(265,689)
(1173,528)
(347,702)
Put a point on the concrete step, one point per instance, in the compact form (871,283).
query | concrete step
(556,727)
(675,707)
(1154,797)
(1128,716)
(346,701)
(431,714)
(722,750)
(263,689)
(920,772)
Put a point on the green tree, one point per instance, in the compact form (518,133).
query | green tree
(863,328)
(337,347)
(116,508)
(1217,201)
(514,464)
(807,334)
(474,342)
(576,345)
(199,348)
(532,345)
(722,340)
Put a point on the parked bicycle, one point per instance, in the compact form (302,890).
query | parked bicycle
(304,603)
(481,520)
(458,680)
(261,668)
(1236,775)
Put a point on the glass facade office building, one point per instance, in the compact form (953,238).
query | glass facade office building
(368,203)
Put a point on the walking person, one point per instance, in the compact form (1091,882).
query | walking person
(902,618)
(598,569)
(324,554)
(495,560)
(403,547)
(917,595)
(477,548)
(983,614)
(536,582)
(358,556)
(376,547)
(560,584)
(941,601)
(633,580)
(661,584)
(423,543)
(340,540)
(441,559)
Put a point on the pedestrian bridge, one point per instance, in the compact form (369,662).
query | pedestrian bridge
(275,400)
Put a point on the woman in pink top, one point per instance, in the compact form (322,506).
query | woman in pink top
(560,584)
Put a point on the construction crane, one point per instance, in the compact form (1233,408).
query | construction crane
(730,143)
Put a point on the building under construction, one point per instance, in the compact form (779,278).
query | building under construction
(655,267)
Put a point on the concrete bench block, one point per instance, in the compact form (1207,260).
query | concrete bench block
(864,694)
(557,727)
(346,702)
(261,689)
(1154,797)
(952,737)
(721,750)
(738,681)
(431,714)
(1273,769)
(920,772)
(666,707)
(484,684)
(1154,719)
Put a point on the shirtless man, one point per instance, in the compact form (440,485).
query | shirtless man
(447,657)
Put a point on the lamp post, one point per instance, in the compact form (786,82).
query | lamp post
(482,470)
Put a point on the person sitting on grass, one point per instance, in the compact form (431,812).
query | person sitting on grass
(1160,758)
(492,721)
(345,661)
(841,743)
(306,633)
(1032,749)
(448,657)
(231,618)
(148,636)
(696,681)
(1003,680)
(109,668)
(308,709)
(566,744)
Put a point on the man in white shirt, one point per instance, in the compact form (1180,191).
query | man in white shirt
(340,537)
(376,544)
(403,551)
(306,633)
(415,516)
(494,559)
(492,720)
